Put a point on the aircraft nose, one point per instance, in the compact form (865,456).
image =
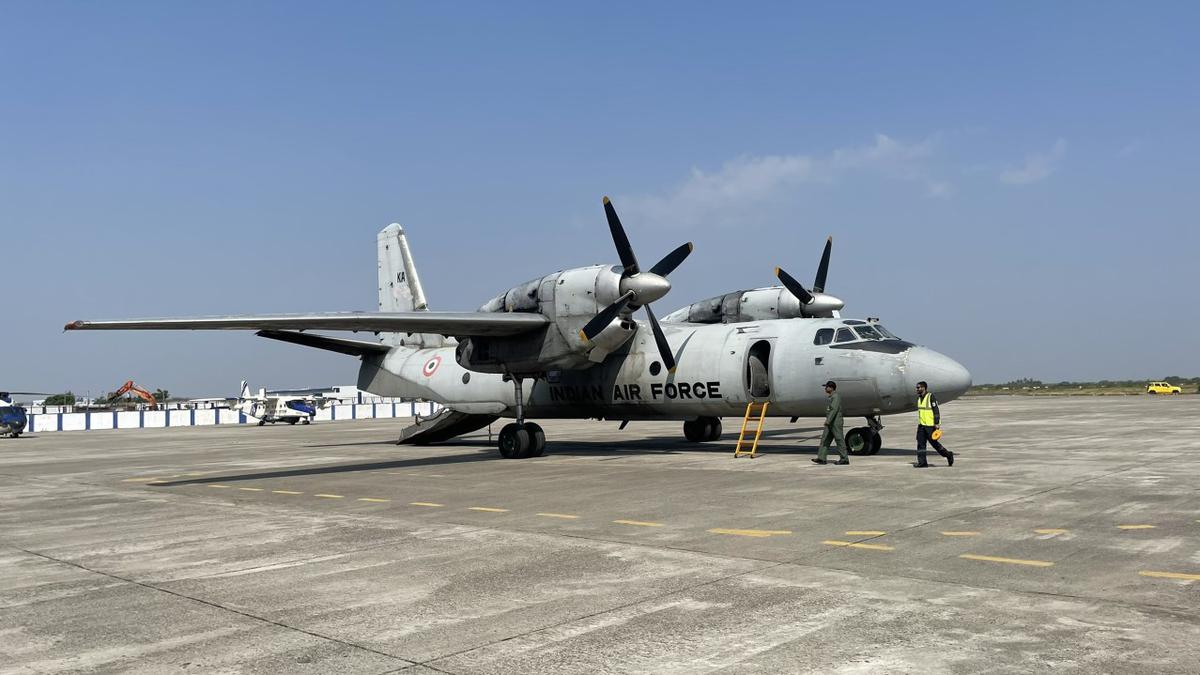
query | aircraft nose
(946,377)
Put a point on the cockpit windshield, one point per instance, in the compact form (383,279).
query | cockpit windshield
(867,333)
(886,333)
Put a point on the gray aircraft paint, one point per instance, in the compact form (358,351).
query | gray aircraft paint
(533,330)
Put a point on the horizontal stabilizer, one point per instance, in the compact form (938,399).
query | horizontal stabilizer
(339,345)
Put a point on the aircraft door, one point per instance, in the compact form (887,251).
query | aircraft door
(747,366)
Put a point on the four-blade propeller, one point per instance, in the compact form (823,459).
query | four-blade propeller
(638,288)
(817,302)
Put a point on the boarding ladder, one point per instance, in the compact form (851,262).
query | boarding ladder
(756,413)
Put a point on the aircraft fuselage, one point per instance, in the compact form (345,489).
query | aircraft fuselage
(713,377)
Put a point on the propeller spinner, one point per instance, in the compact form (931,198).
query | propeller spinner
(638,288)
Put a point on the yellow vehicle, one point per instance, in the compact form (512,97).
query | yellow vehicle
(1163,388)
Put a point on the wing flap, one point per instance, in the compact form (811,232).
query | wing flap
(452,324)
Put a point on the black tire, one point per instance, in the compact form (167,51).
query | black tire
(712,429)
(858,441)
(876,443)
(292,420)
(693,430)
(513,442)
(537,439)
(261,422)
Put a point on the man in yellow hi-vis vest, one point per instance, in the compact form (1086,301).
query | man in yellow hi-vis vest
(929,419)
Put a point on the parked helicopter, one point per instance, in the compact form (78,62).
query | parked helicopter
(566,345)
(13,418)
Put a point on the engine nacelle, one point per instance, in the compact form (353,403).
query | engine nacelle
(570,299)
(758,304)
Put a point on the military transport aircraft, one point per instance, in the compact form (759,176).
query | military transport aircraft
(566,345)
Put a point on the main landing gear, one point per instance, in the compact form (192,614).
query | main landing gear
(702,429)
(521,439)
(865,440)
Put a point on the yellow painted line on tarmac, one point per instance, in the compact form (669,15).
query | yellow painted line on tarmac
(286,492)
(638,523)
(251,489)
(960,534)
(565,516)
(749,533)
(866,533)
(488,509)
(214,485)
(1010,561)
(851,544)
(1171,575)
(1051,530)
(1136,527)
(425,504)
(374,499)
(328,496)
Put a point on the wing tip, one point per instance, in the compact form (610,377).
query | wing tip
(74,325)
(606,200)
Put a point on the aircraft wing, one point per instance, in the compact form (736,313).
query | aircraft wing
(453,324)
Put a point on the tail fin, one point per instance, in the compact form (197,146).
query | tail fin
(400,287)
(244,392)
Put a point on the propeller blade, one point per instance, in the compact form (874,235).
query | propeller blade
(672,260)
(605,317)
(823,268)
(664,347)
(793,286)
(628,259)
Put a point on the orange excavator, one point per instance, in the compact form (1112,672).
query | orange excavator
(131,387)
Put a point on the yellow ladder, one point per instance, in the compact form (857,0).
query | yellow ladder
(761,413)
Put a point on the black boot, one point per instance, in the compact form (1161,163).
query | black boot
(949,458)
(818,461)
(842,462)
(920,465)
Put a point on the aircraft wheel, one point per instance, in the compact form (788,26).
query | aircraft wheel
(712,429)
(858,441)
(291,420)
(537,439)
(306,421)
(693,430)
(261,422)
(514,442)
(876,443)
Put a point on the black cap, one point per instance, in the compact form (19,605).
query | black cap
(831,384)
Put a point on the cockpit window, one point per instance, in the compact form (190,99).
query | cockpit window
(824,336)
(844,335)
(868,333)
(885,332)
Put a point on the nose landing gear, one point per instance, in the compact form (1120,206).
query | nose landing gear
(865,440)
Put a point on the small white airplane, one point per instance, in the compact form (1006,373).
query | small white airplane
(278,408)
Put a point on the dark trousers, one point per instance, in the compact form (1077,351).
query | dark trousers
(924,434)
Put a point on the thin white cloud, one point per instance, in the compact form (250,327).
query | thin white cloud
(747,180)
(1038,166)
(1131,148)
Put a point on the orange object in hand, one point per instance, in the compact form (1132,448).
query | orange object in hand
(936,435)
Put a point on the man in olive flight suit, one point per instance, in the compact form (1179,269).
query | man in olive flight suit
(833,427)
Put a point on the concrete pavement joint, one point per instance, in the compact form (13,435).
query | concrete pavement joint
(209,603)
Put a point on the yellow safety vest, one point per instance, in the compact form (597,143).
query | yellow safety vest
(925,410)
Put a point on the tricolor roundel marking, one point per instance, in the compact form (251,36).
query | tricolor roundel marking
(431,366)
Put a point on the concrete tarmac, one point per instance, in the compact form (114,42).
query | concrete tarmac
(1066,537)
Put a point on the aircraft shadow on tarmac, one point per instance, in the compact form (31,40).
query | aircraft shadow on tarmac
(486,453)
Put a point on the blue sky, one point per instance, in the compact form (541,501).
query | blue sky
(1013,184)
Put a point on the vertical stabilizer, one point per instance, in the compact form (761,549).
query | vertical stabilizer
(400,287)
